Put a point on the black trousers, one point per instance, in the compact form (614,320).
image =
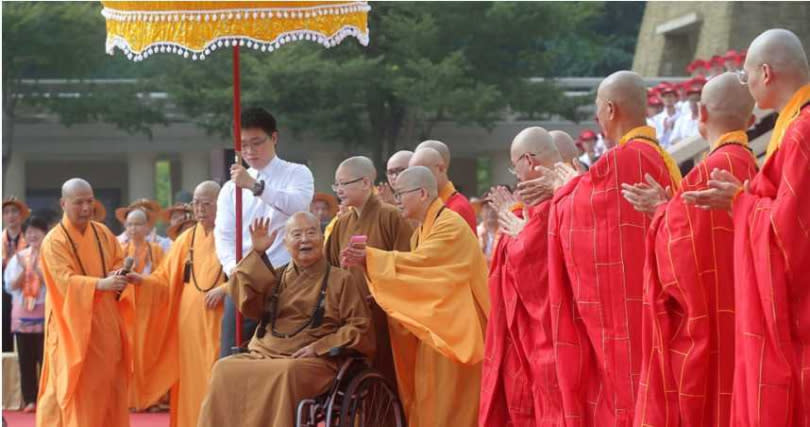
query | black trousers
(8,345)
(29,354)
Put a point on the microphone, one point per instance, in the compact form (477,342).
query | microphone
(129,262)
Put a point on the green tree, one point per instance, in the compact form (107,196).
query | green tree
(66,41)
(426,63)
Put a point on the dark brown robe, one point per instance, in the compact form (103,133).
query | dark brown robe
(386,230)
(263,386)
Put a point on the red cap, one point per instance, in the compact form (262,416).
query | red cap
(654,100)
(717,60)
(699,79)
(731,54)
(586,134)
(694,65)
(665,88)
(694,88)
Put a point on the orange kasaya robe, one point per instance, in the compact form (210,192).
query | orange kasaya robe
(147,256)
(458,203)
(436,296)
(177,336)
(86,367)
(772,272)
(596,262)
(519,381)
(688,322)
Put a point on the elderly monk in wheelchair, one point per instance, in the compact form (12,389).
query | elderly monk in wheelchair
(306,310)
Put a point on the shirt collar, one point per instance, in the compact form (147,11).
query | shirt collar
(267,170)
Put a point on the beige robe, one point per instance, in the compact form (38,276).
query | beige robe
(387,230)
(263,387)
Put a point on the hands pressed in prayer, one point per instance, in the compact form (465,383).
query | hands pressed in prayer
(385,193)
(511,224)
(501,199)
(241,177)
(723,188)
(214,297)
(112,283)
(304,352)
(646,197)
(260,235)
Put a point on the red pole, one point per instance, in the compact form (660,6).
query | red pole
(237,148)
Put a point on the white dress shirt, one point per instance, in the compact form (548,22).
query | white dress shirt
(664,134)
(685,127)
(288,188)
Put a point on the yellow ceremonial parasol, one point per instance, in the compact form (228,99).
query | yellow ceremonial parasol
(195,29)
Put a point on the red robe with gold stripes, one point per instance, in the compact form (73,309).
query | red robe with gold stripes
(518,383)
(596,260)
(772,280)
(688,325)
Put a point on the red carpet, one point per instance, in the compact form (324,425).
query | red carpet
(19,419)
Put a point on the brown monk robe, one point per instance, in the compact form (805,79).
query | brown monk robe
(384,229)
(286,359)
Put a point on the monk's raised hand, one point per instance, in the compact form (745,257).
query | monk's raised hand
(532,191)
(646,197)
(564,173)
(214,298)
(260,234)
(723,187)
(303,352)
(112,283)
(501,199)
(134,278)
(511,224)
(241,177)
(385,193)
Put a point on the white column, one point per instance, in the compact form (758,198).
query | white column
(14,179)
(194,169)
(323,165)
(500,168)
(141,172)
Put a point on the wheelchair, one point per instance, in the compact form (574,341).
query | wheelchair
(360,396)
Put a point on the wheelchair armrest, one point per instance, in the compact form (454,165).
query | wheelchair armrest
(345,352)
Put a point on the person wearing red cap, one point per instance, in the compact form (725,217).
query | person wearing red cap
(697,67)
(654,107)
(664,122)
(687,124)
(731,60)
(716,66)
(587,143)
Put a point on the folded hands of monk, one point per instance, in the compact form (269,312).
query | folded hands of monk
(352,256)
(646,197)
(723,189)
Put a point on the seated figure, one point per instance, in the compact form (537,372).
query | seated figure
(305,309)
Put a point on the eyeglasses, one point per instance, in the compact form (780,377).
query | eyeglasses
(395,171)
(338,185)
(742,76)
(254,144)
(398,194)
(513,170)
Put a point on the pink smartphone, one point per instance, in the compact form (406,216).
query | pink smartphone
(358,240)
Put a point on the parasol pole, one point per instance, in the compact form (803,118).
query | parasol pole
(237,148)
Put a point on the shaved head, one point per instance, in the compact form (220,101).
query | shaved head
(427,157)
(399,159)
(75,186)
(209,188)
(439,146)
(728,103)
(565,145)
(302,218)
(359,166)
(418,177)
(779,48)
(538,142)
(626,89)
(137,215)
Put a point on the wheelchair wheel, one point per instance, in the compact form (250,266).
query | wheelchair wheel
(370,401)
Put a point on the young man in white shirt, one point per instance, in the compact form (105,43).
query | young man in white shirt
(687,124)
(665,120)
(271,188)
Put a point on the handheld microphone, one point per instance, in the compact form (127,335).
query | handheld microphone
(129,262)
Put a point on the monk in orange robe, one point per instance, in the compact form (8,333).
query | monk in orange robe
(146,255)
(179,316)
(436,157)
(518,384)
(771,243)
(596,248)
(688,343)
(86,369)
(437,292)
(381,226)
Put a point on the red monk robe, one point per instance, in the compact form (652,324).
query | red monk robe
(458,203)
(596,261)
(519,381)
(688,341)
(178,336)
(86,363)
(772,272)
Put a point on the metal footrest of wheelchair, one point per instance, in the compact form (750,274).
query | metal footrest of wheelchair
(308,407)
